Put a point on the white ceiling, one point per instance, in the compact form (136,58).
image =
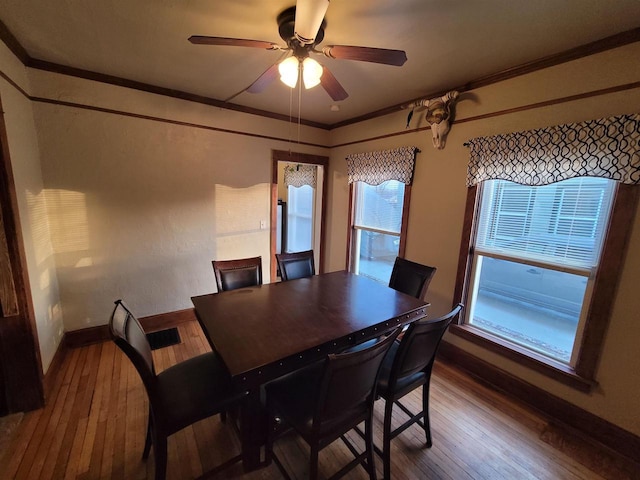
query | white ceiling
(448,43)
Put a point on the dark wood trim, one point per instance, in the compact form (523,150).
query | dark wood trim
(161,321)
(404,227)
(508,111)
(152,323)
(602,45)
(14,85)
(306,158)
(86,336)
(611,436)
(350,227)
(164,120)
(539,363)
(167,92)
(547,103)
(19,352)
(608,43)
(273,233)
(607,278)
(8,299)
(464,256)
(296,157)
(404,223)
(603,296)
(12,43)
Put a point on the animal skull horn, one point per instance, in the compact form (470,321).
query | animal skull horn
(438,116)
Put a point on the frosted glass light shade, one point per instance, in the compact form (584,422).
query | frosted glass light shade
(309,16)
(311,72)
(288,69)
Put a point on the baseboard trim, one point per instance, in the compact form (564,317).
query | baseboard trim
(606,433)
(152,323)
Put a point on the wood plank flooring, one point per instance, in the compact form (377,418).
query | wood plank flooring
(94,424)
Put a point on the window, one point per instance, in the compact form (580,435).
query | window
(300,218)
(536,252)
(376,229)
(541,258)
(380,184)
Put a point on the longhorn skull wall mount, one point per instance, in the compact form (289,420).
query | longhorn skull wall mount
(438,115)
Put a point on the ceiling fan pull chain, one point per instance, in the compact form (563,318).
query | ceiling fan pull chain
(299,98)
(290,116)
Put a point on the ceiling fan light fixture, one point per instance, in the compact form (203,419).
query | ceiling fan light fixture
(309,16)
(311,72)
(288,70)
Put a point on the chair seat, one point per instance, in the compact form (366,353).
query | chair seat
(404,384)
(179,396)
(195,389)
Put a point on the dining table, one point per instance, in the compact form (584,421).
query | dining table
(267,331)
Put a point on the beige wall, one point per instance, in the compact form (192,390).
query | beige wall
(25,156)
(438,200)
(138,207)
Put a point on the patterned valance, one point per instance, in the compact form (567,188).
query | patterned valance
(377,167)
(299,175)
(607,148)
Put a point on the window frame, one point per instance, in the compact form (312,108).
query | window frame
(351,229)
(617,233)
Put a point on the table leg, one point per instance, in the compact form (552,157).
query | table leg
(252,430)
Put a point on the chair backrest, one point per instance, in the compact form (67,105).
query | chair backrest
(128,335)
(411,278)
(418,347)
(241,273)
(296,265)
(349,381)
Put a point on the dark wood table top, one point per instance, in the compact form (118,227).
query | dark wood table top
(267,331)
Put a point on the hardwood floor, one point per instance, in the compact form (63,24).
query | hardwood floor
(94,424)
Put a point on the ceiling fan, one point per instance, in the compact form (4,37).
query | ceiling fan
(302,29)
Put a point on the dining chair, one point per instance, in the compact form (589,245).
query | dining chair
(411,278)
(240,273)
(406,367)
(180,395)
(323,402)
(296,265)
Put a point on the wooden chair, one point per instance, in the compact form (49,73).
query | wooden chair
(178,396)
(296,265)
(241,273)
(408,366)
(411,278)
(323,402)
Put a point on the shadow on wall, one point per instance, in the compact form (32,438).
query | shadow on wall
(155,254)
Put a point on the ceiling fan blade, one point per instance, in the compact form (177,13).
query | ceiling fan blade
(232,42)
(332,86)
(309,16)
(264,80)
(366,54)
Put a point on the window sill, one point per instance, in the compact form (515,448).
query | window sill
(541,364)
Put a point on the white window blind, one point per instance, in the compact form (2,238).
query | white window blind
(379,207)
(561,224)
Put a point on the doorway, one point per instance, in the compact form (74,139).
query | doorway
(298,212)
(21,387)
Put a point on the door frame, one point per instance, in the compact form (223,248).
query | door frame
(296,157)
(20,362)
